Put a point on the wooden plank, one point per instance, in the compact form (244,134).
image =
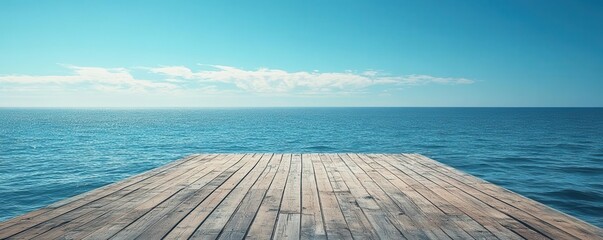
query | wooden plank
(379,220)
(488,217)
(118,218)
(62,215)
(358,223)
(144,216)
(475,187)
(110,214)
(128,217)
(404,202)
(559,219)
(450,219)
(509,221)
(287,226)
(263,225)
(291,202)
(215,222)
(335,223)
(289,219)
(309,196)
(312,226)
(460,218)
(31,219)
(188,225)
(240,222)
(194,194)
(394,213)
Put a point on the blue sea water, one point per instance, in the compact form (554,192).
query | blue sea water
(552,155)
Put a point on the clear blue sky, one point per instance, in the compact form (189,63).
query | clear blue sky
(302,53)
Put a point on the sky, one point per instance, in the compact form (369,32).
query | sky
(471,53)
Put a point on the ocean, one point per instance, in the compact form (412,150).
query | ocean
(552,155)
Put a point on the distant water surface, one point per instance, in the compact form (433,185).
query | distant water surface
(552,155)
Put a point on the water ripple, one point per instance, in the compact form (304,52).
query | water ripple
(551,155)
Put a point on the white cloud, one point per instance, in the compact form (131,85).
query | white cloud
(100,78)
(221,79)
(265,80)
(424,79)
(176,71)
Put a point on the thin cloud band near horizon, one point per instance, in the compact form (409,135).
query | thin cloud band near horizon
(226,78)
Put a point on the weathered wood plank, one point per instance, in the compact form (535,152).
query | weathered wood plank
(358,223)
(293,196)
(291,202)
(507,220)
(438,210)
(189,224)
(488,217)
(394,213)
(239,223)
(144,203)
(528,220)
(335,223)
(263,225)
(289,219)
(110,214)
(379,220)
(287,226)
(65,214)
(213,225)
(30,219)
(312,226)
(193,195)
(144,217)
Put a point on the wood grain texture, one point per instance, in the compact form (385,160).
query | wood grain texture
(299,196)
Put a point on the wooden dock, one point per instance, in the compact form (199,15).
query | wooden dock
(292,196)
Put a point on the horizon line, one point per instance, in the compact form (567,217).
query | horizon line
(252,107)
